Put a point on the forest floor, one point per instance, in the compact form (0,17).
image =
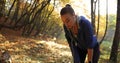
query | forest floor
(41,49)
(34,50)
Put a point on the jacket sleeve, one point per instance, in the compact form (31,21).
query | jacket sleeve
(88,34)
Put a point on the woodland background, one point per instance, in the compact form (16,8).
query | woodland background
(32,30)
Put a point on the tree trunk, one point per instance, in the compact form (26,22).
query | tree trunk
(16,13)
(106,23)
(11,8)
(43,5)
(98,18)
(115,45)
(93,15)
(2,7)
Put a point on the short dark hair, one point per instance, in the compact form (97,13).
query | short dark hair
(67,9)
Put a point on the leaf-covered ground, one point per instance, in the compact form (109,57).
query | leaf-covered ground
(32,50)
(41,49)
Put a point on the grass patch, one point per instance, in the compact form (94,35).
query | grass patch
(105,49)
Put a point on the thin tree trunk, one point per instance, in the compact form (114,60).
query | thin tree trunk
(98,18)
(106,22)
(44,4)
(31,29)
(115,45)
(11,7)
(2,6)
(7,15)
(32,10)
(93,15)
(16,13)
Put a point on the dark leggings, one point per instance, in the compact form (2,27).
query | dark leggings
(79,55)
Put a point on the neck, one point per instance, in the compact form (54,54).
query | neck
(75,24)
(75,28)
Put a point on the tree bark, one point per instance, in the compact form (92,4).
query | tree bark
(93,15)
(106,23)
(115,45)
(11,7)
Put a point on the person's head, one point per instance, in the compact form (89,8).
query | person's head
(68,16)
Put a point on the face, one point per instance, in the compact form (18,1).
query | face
(68,20)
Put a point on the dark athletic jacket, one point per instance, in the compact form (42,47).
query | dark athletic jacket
(85,38)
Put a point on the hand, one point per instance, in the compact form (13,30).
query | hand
(90,62)
(90,55)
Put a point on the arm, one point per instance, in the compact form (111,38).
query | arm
(88,34)
(90,54)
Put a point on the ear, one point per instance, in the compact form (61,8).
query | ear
(73,14)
